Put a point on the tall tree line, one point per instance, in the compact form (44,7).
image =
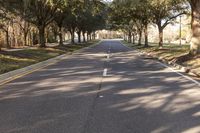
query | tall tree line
(28,22)
(134,16)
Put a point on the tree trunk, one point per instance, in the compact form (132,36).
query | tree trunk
(129,36)
(7,39)
(90,36)
(47,37)
(60,36)
(195,42)
(140,38)
(133,38)
(42,36)
(94,35)
(79,36)
(87,37)
(160,29)
(55,35)
(72,36)
(124,37)
(84,39)
(25,39)
(30,39)
(146,43)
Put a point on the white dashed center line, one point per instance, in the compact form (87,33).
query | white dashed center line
(105,72)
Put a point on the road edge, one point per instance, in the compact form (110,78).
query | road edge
(173,66)
(15,74)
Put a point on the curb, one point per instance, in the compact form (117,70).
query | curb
(170,63)
(175,65)
(12,75)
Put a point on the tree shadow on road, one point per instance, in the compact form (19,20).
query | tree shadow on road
(138,96)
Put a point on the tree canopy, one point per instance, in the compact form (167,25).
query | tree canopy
(136,15)
(82,16)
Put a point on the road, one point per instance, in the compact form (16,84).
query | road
(104,89)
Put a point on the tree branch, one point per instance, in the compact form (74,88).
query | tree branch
(171,18)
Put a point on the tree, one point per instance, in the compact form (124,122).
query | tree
(60,17)
(25,28)
(121,17)
(133,10)
(195,24)
(5,20)
(41,13)
(82,16)
(38,12)
(69,23)
(165,12)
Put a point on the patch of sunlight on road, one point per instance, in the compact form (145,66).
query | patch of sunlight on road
(148,102)
(153,101)
(191,93)
(21,83)
(98,55)
(12,96)
(160,130)
(180,103)
(175,108)
(130,108)
(137,91)
(193,130)
(53,85)
(197,114)
(57,82)
(169,102)
(85,73)
(62,89)
(110,79)
(184,100)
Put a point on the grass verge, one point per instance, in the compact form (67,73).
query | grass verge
(12,60)
(170,52)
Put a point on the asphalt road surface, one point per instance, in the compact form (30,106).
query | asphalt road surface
(104,89)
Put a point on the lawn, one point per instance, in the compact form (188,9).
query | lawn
(170,52)
(13,60)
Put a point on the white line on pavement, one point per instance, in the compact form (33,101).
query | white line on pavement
(105,72)
(187,77)
(180,74)
(108,56)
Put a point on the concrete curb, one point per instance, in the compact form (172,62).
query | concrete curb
(170,63)
(6,77)
(12,75)
(184,69)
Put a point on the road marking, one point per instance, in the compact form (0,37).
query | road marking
(101,96)
(108,56)
(25,74)
(40,68)
(109,49)
(105,72)
(180,74)
(187,77)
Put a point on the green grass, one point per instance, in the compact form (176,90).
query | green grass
(13,60)
(168,52)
